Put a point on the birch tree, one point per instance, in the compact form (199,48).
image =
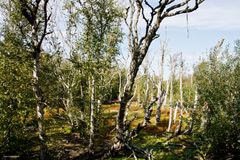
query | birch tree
(37,15)
(98,45)
(173,60)
(179,127)
(160,88)
(139,44)
(193,114)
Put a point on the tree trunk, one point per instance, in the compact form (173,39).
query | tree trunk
(148,111)
(175,112)
(39,105)
(179,128)
(92,108)
(172,61)
(191,123)
(166,95)
(145,101)
(127,95)
(160,100)
(69,107)
(171,104)
(120,85)
(129,105)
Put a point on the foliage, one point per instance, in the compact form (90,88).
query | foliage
(218,85)
(16,97)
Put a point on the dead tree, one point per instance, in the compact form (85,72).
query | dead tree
(139,45)
(179,127)
(166,95)
(172,73)
(160,90)
(36,13)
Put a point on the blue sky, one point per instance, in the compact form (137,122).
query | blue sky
(214,20)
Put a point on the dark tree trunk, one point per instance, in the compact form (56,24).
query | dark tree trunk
(134,66)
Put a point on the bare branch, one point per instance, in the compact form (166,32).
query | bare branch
(177,6)
(139,8)
(169,12)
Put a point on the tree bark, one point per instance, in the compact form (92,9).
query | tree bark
(175,112)
(179,128)
(139,46)
(191,123)
(171,104)
(172,70)
(39,105)
(145,101)
(127,95)
(166,95)
(160,90)
(39,25)
(92,108)
(148,111)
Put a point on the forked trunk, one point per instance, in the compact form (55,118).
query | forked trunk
(127,95)
(148,111)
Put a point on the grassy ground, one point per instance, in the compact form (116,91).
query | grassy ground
(64,144)
(156,138)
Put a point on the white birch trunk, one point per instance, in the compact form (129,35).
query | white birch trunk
(146,93)
(92,108)
(179,128)
(120,86)
(175,112)
(171,103)
(39,106)
(159,104)
(166,95)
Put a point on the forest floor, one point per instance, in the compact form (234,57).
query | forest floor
(64,144)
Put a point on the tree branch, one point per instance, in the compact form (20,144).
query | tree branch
(46,20)
(169,11)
